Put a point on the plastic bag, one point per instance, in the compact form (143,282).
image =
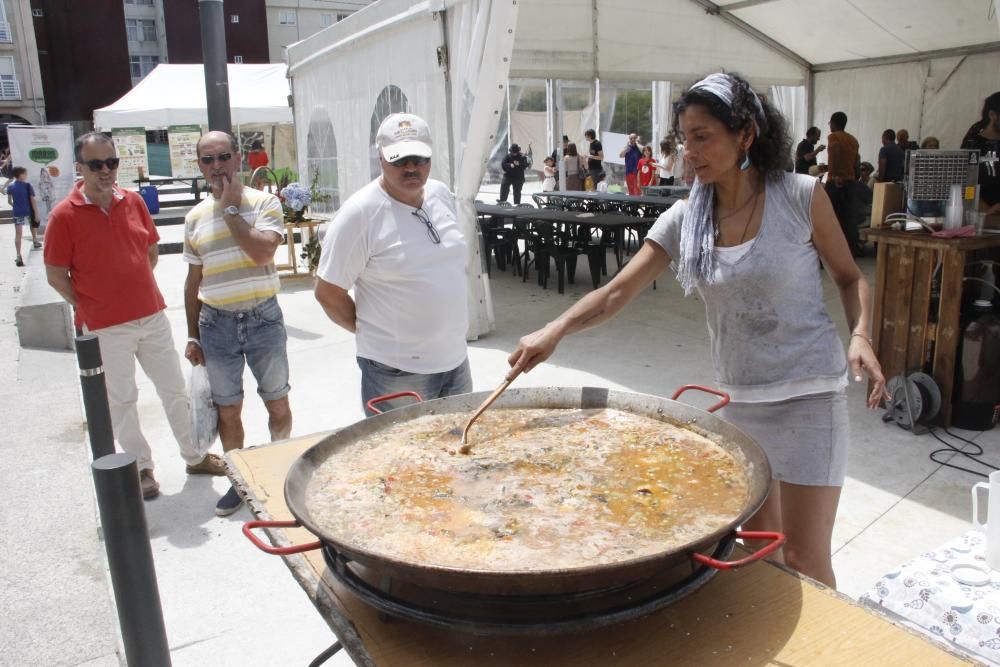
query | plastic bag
(204,413)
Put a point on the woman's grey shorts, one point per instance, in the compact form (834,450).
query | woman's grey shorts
(806,438)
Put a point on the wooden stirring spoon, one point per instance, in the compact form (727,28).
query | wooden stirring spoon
(466,447)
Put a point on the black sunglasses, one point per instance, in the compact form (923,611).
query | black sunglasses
(210,159)
(421,215)
(111,163)
(415,160)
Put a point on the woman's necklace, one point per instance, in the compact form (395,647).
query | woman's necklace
(746,226)
(749,218)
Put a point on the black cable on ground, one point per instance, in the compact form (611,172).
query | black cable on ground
(948,447)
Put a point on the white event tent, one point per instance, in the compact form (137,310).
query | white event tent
(175,95)
(921,64)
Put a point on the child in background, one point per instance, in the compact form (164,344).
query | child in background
(549,172)
(23,201)
(602,182)
(647,167)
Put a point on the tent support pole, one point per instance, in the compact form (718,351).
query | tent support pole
(810,88)
(560,130)
(274,130)
(509,139)
(445,64)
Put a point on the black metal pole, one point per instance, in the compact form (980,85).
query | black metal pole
(95,396)
(130,559)
(213,49)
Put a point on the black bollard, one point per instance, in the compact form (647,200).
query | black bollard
(130,559)
(95,396)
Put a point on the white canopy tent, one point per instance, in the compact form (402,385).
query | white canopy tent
(175,95)
(921,64)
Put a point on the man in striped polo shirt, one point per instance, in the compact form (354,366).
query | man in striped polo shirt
(230,296)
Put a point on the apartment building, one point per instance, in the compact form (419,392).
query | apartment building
(146,34)
(82,54)
(245,24)
(290,21)
(21,96)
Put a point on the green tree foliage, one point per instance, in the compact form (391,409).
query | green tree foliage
(634,113)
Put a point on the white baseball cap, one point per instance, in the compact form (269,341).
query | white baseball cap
(403,134)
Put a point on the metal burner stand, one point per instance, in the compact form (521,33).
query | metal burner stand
(382,600)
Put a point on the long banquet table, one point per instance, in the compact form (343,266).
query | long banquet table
(612,223)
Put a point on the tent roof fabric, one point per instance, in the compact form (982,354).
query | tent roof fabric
(175,95)
(677,40)
(846,30)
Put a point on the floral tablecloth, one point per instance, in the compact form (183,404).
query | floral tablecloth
(923,595)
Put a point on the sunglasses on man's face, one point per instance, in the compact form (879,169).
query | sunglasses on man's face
(410,159)
(211,159)
(96,165)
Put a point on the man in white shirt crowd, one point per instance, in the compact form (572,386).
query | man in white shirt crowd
(397,243)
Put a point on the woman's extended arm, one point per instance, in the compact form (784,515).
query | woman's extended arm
(597,307)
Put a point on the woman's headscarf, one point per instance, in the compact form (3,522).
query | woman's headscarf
(697,260)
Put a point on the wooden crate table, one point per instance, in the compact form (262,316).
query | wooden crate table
(307,230)
(758,615)
(903,328)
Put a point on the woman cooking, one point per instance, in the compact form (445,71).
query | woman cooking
(750,240)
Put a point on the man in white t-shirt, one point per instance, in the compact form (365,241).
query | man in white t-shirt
(396,242)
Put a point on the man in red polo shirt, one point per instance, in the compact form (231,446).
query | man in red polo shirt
(100,250)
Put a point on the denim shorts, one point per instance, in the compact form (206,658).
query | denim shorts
(256,338)
(378,380)
(22,220)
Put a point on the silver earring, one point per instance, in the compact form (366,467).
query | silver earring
(746,162)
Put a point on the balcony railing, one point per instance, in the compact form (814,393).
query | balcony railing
(10,89)
(5,32)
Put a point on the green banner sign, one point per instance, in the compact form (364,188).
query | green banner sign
(43,154)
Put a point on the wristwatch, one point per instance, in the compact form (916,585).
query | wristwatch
(231,210)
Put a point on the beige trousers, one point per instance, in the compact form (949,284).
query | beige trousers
(149,340)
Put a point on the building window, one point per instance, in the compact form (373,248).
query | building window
(286,18)
(341,17)
(4,26)
(234,18)
(238,60)
(140,66)
(326,20)
(147,3)
(9,87)
(140,30)
(37,13)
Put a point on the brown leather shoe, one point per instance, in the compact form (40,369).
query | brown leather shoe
(212,464)
(150,487)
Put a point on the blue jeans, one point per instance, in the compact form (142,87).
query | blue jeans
(378,380)
(256,338)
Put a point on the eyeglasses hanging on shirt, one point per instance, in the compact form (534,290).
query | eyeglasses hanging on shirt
(421,215)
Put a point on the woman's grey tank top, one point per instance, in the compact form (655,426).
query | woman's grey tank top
(771,336)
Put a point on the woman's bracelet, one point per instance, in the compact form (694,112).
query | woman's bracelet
(861,335)
(195,341)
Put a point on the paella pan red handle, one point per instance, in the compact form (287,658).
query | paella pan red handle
(777,540)
(721,404)
(388,397)
(277,551)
